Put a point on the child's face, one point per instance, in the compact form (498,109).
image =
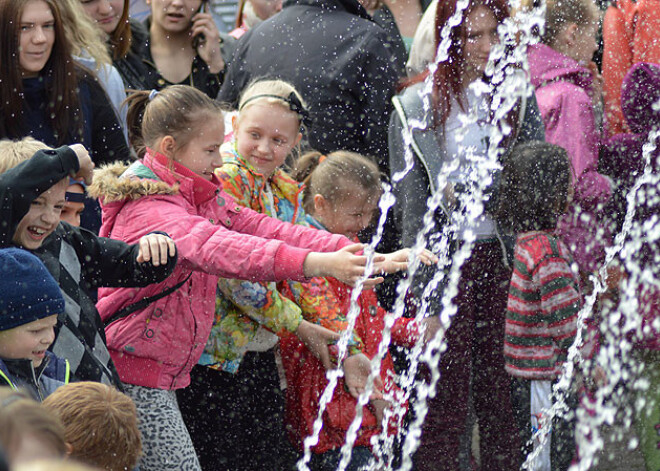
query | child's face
(348,216)
(72,209)
(202,153)
(42,218)
(265,135)
(28,341)
(36,37)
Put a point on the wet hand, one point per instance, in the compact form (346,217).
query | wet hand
(316,338)
(344,264)
(86,170)
(378,407)
(155,248)
(356,372)
(398,261)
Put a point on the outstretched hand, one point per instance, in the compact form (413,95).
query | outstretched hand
(356,371)
(155,248)
(344,264)
(398,261)
(86,170)
(316,338)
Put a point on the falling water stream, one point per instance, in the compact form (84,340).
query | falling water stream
(509,84)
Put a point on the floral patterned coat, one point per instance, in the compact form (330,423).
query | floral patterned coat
(242,306)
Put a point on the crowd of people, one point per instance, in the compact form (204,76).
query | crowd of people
(186,213)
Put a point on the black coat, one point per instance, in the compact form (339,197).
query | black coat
(335,56)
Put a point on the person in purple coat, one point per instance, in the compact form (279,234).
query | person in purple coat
(566,92)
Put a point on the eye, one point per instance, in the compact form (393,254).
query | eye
(37,203)
(49,26)
(26,27)
(279,141)
(254,135)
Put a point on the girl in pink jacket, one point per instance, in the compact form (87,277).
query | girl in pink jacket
(173,189)
(566,91)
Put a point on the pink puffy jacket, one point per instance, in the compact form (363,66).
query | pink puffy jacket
(157,347)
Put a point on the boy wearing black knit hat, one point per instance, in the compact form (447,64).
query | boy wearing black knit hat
(30,301)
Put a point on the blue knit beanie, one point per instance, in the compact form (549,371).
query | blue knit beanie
(28,292)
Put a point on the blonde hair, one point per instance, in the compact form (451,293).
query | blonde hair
(20,415)
(275,92)
(333,176)
(100,424)
(83,35)
(13,153)
(561,13)
(50,465)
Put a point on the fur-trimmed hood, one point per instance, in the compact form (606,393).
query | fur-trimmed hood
(120,181)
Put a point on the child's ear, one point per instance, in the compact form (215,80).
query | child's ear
(320,204)
(234,124)
(167,146)
(570,33)
(298,139)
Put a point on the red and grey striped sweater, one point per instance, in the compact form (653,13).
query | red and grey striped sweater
(541,315)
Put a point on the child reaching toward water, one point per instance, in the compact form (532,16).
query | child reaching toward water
(238,371)
(341,195)
(173,188)
(544,295)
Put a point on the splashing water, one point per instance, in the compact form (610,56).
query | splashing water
(508,69)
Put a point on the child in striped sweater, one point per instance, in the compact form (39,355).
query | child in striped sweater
(544,294)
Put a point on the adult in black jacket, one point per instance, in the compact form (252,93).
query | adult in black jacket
(334,54)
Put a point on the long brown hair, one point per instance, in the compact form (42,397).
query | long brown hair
(60,73)
(120,40)
(448,76)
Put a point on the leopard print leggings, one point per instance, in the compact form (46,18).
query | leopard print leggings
(166,444)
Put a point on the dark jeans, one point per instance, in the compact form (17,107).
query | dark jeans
(562,446)
(329,461)
(236,422)
(475,343)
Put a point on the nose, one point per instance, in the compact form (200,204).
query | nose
(263,146)
(49,338)
(105,7)
(217,161)
(50,216)
(39,35)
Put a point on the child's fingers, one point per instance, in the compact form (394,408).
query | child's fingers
(371,282)
(144,254)
(171,246)
(154,248)
(164,248)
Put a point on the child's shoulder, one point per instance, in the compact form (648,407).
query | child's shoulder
(540,244)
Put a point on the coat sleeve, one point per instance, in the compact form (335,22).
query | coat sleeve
(113,263)
(212,248)
(617,60)
(20,185)
(411,191)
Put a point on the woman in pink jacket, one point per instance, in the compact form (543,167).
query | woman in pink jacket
(565,93)
(173,189)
